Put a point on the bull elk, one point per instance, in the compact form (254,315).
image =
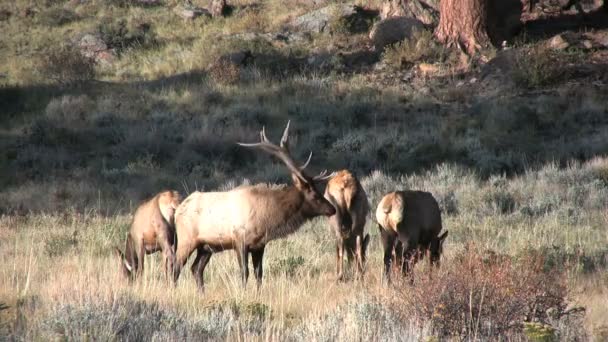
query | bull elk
(247,218)
(348,197)
(413,220)
(152,229)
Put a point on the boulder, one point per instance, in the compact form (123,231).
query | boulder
(427,11)
(190,12)
(558,42)
(392,30)
(218,8)
(92,46)
(318,21)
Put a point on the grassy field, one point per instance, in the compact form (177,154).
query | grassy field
(60,277)
(517,163)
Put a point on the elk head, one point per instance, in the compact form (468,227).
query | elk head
(314,203)
(436,248)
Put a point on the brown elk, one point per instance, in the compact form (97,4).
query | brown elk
(413,220)
(152,229)
(352,207)
(247,218)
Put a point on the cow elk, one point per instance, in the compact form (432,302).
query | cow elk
(152,229)
(409,223)
(247,218)
(348,197)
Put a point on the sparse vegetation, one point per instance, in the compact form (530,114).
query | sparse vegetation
(65,65)
(421,47)
(536,67)
(513,149)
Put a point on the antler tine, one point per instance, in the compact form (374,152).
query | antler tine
(285,138)
(307,161)
(323,176)
(263,137)
(281,152)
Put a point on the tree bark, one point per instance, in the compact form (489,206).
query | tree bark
(464,23)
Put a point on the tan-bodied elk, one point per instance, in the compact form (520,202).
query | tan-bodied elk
(352,207)
(410,223)
(246,218)
(152,229)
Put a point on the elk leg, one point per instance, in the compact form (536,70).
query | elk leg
(141,253)
(359,256)
(257,257)
(388,242)
(198,267)
(168,255)
(410,257)
(184,249)
(340,259)
(242,254)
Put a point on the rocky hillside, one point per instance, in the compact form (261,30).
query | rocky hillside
(106,101)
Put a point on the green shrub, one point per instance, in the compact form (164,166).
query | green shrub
(120,35)
(421,47)
(289,266)
(66,65)
(536,67)
(538,332)
(57,245)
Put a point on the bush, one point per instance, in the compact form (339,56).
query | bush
(66,65)
(289,266)
(225,72)
(120,36)
(421,47)
(536,67)
(69,109)
(483,294)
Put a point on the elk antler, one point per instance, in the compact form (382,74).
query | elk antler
(323,176)
(281,152)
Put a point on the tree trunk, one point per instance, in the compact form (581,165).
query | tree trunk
(464,22)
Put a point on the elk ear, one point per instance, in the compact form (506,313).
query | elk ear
(442,237)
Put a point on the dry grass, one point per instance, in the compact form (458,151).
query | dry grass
(75,161)
(60,273)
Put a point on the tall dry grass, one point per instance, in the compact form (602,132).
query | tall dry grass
(61,280)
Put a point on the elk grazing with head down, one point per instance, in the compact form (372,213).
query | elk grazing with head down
(152,229)
(413,220)
(247,218)
(346,194)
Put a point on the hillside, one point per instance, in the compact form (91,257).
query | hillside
(106,103)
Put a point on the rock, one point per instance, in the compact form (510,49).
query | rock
(5,14)
(92,46)
(318,21)
(218,8)
(558,43)
(190,12)
(427,11)
(587,44)
(393,30)
(599,38)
